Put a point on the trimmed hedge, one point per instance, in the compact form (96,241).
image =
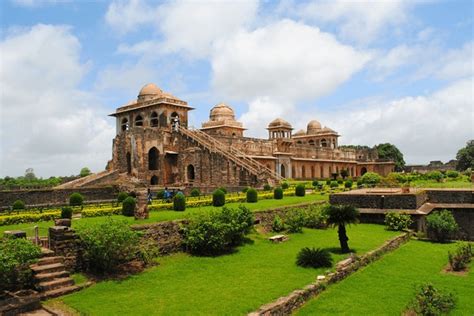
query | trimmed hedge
(76,199)
(300,190)
(66,212)
(278,193)
(195,192)
(252,195)
(122,196)
(128,206)
(18,205)
(179,202)
(218,198)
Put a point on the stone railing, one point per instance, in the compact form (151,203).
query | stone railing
(287,304)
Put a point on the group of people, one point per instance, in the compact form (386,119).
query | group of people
(167,195)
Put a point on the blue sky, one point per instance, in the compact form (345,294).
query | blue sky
(375,71)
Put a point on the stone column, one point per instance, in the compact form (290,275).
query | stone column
(64,242)
(141,210)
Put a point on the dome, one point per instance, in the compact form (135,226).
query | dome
(313,127)
(279,122)
(300,133)
(327,129)
(150,89)
(222,112)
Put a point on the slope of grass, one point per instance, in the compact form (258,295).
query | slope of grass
(234,284)
(386,286)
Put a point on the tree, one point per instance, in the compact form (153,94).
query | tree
(30,174)
(389,151)
(340,216)
(465,156)
(85,172)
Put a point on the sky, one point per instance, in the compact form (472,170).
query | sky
(375,71)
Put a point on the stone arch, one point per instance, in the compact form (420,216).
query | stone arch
(303,172)
(154,119)
(190,173)
(299,142)
(311,142)
(324,143)
(363,171)
(139,120)
(153,155)
(321,171)
(312,172)
(283,171)
(163,120)
(293,172)
(173,115)
(154,180)
(129,162)
(124,124)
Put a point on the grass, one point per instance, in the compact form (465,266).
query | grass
(460,183)
(79,278)
(160,216)
(387,286)
(234,284)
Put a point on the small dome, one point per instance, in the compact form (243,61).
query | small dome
(300,133)
(222,112)
(327,129)
(279,122)
(150,89)
(313,127)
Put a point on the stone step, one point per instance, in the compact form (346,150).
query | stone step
(50,260)
(56,284)
(44,277)
(60,292)
(48,268)
(45,252)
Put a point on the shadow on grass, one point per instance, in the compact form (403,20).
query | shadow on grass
(338,251)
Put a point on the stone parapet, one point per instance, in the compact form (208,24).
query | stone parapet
(64,242)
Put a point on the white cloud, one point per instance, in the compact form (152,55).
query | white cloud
(126,16)
(47,122)
(37,3)
(422,127)
(357,20)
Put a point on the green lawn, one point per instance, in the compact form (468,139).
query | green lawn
(159,216)
(386,286)
(448,183)
(235,284)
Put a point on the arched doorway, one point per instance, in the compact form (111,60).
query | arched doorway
(190,173)
(303,172)
(363,171)
(282,171)
(153,159)
(154,180)
(129,163)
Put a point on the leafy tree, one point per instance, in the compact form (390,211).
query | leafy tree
(370,178)
(76,199)
(30,174)
(340,216)
(344,173)
(465,156)
(85,172)
(441,225)
(390,151)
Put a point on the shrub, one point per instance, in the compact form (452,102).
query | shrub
(397,221)
(370,178)
(267,187)
(328,181)
(340,181)
(252,195)
(431,301)
(128,206)
(18,205)
(348,184)
(160,195)
(435,175)
(441,225)
(217,232)
(314,258)
(285,185)
(315,183)
(195,192)
(333,184)
(452,174)
(223,189)
(16,254)
(314,217)
(122,196)
(108,244)
(300,190)
(76,199)
(278,193)
(179,202)
(461,257)
(218,198)
(244,190)
(66,212)
(278,225)
(295,220)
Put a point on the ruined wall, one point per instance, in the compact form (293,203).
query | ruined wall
(64,242)
(450,196)
(380,201)
(167,235)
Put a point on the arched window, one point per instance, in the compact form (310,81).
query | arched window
(174,115)
(139,120)
(311,142)
(124,124)
(153,159)
(303,172)
(299,142)
(312,172)
(154,180)
(154,119)
(283,171)
(129,163)
(321,172)
(190,172)
(163,120)
(293,172)
(324,143)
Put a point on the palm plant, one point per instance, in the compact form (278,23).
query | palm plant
(340,216)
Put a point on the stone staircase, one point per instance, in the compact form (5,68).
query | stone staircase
(51,277)
(236,156)
(88,180)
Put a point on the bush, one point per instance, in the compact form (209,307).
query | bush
(108,244)
(66,212)
(334,184)
(128,206)
(122,196)
(278,193)
(278,225)
(328,181)
(217,232)
(18,205)
(435,175)
(452,174)
(300,190)
(223,189)
(461,257)
(397,221)
(370,178)
(295,220)
(314,258)
(314,217)
(340,181)
(16,254)
(160,195)
(315,183)
(252,196)
(441,225)
(244,190)
(195,192)
(267,187)
(430,301)
(179,202)
(285,185)
(76,199)
(218,198)
(348,184)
